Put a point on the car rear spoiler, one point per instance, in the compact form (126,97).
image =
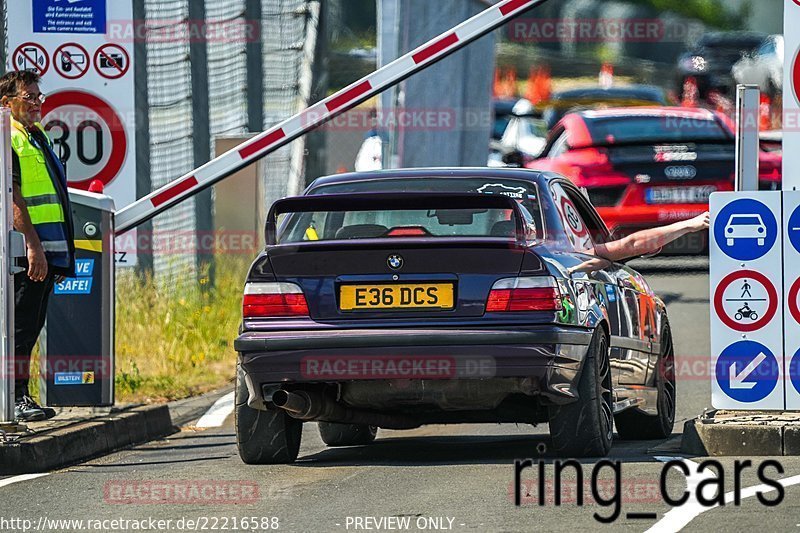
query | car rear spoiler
(390,201)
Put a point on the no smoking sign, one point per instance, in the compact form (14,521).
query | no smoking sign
(88,134)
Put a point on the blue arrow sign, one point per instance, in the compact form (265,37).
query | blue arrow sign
(747,371)
(794,370)
(745,229)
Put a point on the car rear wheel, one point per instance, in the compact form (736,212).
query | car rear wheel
(635,425)
(585,428)
(264,437)
(346,434)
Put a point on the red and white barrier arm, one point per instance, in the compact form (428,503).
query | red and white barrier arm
(321,112)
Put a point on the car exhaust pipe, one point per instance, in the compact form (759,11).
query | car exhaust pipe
(314,406)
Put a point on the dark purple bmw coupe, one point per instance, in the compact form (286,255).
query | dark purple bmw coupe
(407,297)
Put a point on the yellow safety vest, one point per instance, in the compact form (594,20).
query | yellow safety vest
(39,191)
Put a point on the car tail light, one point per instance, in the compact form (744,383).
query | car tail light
(267,300)
(408,231)
(524,294)
(596,163)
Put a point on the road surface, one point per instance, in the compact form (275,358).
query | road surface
(452,478)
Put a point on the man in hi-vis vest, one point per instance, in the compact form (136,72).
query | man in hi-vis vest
(42,213)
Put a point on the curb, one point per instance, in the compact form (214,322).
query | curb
(707,436)
(123,427)
(55,449)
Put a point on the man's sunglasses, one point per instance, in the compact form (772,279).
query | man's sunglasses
(32,98)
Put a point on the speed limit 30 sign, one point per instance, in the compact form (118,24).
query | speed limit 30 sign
(89,135)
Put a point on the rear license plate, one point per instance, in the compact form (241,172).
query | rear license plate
(406,296)
(679,195)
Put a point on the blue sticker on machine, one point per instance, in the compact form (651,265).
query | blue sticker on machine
(68,378)
(74,286)
(84,267)
(612,295)
(71,16)
(74,378)
(82,284)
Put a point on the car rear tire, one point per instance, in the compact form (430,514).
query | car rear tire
(334,434)
(585,428)
(635,425)
(264,437)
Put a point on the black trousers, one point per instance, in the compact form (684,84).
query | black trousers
(30,310)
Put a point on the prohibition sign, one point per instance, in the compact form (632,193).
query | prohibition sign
(572,218)
(67,55)
(29,56)
(115,58)
(796,73)
(113,122)
(772,297)
(793,307)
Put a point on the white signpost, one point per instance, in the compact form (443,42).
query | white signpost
(791,283)
(746,287)
(791,200)
(87,74)
(791,95)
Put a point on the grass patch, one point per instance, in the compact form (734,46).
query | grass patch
(172,344)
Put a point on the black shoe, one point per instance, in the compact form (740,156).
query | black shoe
(24,412)
(29,410)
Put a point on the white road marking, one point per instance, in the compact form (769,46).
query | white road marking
(216,415)
(679,517)
(23,477)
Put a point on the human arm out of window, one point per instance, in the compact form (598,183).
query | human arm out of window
(650,240)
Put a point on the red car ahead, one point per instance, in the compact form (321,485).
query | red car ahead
(645,167)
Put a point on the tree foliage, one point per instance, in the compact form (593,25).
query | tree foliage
(712,12)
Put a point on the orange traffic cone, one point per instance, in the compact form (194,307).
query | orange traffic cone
(342,169)
(511,80)
(497,86)
(606,78)
(530,87)
(545,84)
(539,85)
(765,113)
(691,93)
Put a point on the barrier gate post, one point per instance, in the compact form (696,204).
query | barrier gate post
(748,98)
(12,247)
(6,281)
(77,363)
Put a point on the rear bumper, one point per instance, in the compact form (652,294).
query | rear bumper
(550,355)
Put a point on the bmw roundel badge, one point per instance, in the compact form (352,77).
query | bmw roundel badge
(395,262)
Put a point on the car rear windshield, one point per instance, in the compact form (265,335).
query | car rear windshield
(653,128)
(424,223)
